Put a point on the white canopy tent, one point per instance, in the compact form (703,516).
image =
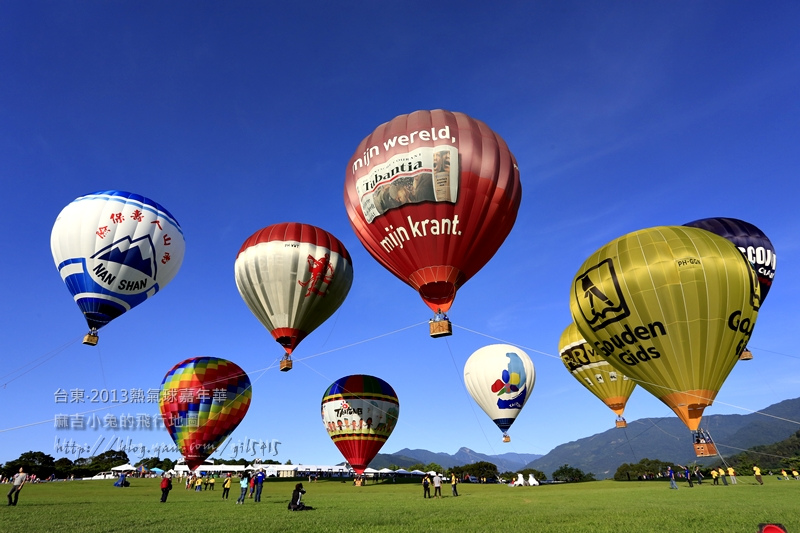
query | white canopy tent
(124,468)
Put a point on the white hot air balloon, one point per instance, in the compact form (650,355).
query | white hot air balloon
(293,277)
(500,378)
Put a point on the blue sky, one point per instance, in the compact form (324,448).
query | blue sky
(237,115)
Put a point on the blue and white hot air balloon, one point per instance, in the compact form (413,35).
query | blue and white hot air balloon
(114,250)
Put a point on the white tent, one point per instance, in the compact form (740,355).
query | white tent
(417,473)
(386,471)
(402,471)
(123,468)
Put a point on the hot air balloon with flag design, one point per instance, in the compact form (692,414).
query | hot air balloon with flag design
(593,372)
(670,307)
(293,277)
(500,378)
(432,195)
(359,413)
(202,400)
(114,250)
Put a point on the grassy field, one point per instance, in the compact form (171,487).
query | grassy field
(590,507)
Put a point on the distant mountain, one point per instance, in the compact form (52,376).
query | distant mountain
(505,462)
(668,439)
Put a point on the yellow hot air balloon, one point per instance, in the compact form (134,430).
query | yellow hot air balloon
(672,308)
(593,372)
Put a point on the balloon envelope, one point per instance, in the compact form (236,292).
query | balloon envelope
(751,242)
(114,250)
(293,277)
(500,378)
(671,307)
(359,413)
(202,401)
(593,372)
(432,195)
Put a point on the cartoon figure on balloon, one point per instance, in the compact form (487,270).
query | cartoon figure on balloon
(321,273)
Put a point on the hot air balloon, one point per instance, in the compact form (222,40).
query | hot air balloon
(293,277)
(500,378)
(670,307)
(593,372)
(359,412)
(202,400)
(432,195)
(114,250)
(752,243)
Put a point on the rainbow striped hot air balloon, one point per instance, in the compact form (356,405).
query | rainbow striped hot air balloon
(203,399)
(359,413)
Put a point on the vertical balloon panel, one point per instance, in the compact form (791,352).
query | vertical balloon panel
(359,413)
(671,307)
(114,250)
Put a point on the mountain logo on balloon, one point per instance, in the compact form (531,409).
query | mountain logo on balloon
(138,254)
(512,379)
(599,295)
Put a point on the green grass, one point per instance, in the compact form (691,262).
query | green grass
(590,507)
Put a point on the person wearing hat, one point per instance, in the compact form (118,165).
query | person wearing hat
(226,486)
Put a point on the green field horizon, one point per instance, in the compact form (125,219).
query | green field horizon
(98,506)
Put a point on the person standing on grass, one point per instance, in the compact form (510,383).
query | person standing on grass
(688,474)
(17,482)
(259,480)
(226,487)
(437,486)
(698,475)
(244,481)
(671,475)
(722,476)
(166,486)
(757,471)
(714,475)
(426,487)
(453,482)
(732,475)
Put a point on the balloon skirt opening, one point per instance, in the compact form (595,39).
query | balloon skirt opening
(689,405)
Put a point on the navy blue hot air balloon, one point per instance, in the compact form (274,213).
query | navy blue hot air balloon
(751,241)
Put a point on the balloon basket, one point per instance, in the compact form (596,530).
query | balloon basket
(506,438)
(705,449)
(90,339)
(746,355)
(441,328)
(621,423)
(286,364)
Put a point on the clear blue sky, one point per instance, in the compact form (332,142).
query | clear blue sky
(237,115)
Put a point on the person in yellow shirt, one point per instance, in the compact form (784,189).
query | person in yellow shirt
(795,474)
(732,475)
(714,475)
(211,483)
(226,487)
(722,476)
(453,482)
(757,471)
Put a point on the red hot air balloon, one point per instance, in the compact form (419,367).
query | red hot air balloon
(432,196)
(359,412)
